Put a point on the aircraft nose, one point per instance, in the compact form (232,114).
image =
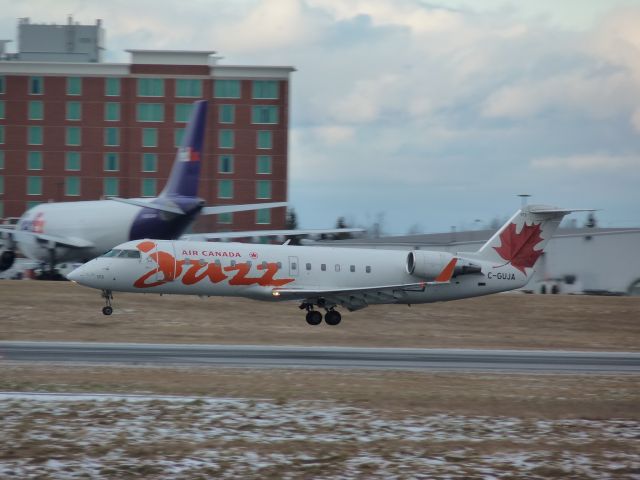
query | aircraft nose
(78,274)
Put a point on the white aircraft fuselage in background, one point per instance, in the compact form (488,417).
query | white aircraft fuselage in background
(323,276)
(101,224)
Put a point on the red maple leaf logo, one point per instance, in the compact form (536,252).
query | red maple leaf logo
(517,248)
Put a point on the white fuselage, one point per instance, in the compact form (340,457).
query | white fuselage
(101,223)
(258,271)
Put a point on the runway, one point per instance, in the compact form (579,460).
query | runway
(321,357)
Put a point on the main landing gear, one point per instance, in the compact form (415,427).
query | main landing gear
(108,296)
(314,317)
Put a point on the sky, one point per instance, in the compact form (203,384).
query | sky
(422,115)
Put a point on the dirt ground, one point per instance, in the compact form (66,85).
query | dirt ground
(64,311)
(306,423)
(317,424)
(394,393)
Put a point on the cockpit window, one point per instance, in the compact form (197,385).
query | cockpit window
(129,254)
(112,253)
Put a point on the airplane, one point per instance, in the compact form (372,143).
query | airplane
(325,277)
(53,233)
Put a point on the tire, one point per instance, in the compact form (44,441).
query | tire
(6,260)
(314,317)
(332,317)
(107,310)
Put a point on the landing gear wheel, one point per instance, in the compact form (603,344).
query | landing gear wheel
(314,317)
(108,296)
(333,317)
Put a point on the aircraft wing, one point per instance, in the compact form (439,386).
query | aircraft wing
(266,233)
(240,208)
(23,235)
(205,211)
(357,297)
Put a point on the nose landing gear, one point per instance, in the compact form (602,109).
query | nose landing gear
(108,296)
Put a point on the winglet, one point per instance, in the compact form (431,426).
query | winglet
(447,272)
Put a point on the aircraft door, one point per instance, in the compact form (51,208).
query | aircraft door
(161,260)
(293,266)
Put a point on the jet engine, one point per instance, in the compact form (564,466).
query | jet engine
(427,264)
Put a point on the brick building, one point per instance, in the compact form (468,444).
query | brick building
(86,130)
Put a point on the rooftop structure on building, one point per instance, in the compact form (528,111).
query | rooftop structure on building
(75,128)
(70,42)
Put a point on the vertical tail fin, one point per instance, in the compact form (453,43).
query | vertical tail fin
(523,238)
(185,173)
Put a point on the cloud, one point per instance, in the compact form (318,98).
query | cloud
(588,163)
(334,134)
(635,120)
(595,94)
(405,13)
(448,108)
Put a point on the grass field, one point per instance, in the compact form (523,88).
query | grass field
(243,423)
(64,311)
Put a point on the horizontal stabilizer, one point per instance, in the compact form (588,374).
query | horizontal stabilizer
(267,233)
(559,211)
(143,204)
(240,208)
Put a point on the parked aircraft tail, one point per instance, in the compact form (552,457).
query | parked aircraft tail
(185,173)
(521,241)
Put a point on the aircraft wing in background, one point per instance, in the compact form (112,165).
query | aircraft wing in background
(267,233)
(240,208)
(23,235)
(154,206)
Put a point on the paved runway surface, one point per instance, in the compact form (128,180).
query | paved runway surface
(321,357)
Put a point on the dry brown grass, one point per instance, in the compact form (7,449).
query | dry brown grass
(64,311)
(396,393)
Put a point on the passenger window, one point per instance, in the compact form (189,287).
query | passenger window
(279,265)
(264,265)
(337,267)
(323,267)
(294,266)
(308,266)
(368,269)
(202,262)
(233,263)
(217,262)
(352,268)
